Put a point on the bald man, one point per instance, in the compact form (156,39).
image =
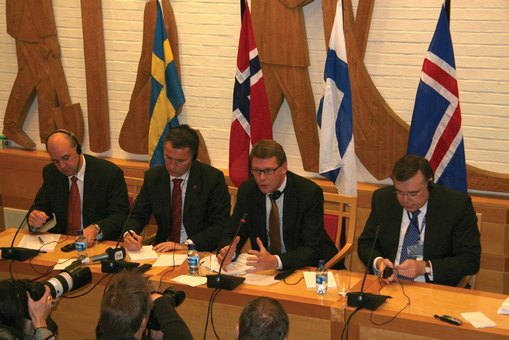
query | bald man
(102,190)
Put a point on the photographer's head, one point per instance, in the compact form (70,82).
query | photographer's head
(12,309)
(126,305)
(263,319)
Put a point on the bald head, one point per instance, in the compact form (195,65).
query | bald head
(63,151)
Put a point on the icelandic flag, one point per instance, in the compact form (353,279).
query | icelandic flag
(166,93)
(251,120)
(435,132)
(335,118)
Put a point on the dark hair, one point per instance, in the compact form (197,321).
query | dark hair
(183,136)
(12,307)
(268,148)
(72,138)
(125,304)
(263,319)
(409,165)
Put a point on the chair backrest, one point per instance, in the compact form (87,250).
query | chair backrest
(133,187)
(340,215)
(233,197)
(469,281)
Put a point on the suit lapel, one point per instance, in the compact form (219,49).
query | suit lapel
(194,184)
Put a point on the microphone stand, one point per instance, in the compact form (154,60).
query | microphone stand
(19,253)
(227,282)
(112,265)
(362,299)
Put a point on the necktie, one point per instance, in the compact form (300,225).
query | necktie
(176,211)
(412,237)
(274,228)
(74,209)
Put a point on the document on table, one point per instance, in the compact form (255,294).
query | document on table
(170,260)
(42,242)
(145,253)
(191,280)
(236,268)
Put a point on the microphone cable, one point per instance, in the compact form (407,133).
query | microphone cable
(209,313)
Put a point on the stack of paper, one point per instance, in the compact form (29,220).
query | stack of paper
(504,308)
(238,267)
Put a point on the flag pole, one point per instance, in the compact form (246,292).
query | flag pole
(242,8)
(448,10)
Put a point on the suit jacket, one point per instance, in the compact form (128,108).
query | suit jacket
(206,205)
(105,200)
(451,240)
(304,235)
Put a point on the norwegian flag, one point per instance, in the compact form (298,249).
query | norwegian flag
(435,132)
(251,120)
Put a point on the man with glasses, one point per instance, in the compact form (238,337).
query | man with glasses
(426,232)
(284,215)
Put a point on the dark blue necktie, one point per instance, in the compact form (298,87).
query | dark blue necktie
(412,237)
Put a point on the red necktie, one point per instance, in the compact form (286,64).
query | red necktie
(74,209)
(176,211)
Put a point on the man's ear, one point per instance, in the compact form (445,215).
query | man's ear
(237,331)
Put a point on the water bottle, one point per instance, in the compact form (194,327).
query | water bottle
(81,244)
(321,278)
(192,259)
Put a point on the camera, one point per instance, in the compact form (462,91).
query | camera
(176,298)
(72,277)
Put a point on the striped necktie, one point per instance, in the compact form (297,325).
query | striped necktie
(412,237)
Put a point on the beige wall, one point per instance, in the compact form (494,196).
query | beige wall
(208,33)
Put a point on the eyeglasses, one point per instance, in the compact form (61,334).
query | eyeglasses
(266,172)
(409,193)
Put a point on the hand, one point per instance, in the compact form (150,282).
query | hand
(411,268)
(39,310)
(262,260)
(225,258)
(90,234)
(381,266)
(164,247)
(37,218)
(132,242)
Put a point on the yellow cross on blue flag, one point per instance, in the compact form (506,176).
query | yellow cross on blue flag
(167,95)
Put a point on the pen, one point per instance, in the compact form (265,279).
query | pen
(131,233)
(40,239)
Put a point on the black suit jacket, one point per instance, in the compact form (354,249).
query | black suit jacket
(105,200)
(451,240)
(206,205)
(304,235)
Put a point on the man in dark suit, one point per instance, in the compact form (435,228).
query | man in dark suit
(447,243)
(300,238)
(203,206)
(102,189)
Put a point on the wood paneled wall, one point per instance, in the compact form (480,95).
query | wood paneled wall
(20,177)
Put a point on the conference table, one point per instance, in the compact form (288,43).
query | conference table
(311,316)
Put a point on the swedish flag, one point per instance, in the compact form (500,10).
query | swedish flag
(166,93)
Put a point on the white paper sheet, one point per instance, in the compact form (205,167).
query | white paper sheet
(478,319)
(237,267)
(42,242)
(145,253)
(190,280)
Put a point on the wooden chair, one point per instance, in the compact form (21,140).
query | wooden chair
(133,189)
(340,215)
(468,281)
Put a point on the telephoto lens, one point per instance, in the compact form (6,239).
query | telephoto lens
(175,297)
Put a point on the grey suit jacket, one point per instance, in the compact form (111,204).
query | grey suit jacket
(451,240)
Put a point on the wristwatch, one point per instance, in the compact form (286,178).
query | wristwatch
(428,267)
(97,228)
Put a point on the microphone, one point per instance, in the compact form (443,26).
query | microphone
(227,282)
(19,253)
(367,300)
(111,254)
(112,260)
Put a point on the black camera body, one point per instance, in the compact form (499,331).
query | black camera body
(176,298)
